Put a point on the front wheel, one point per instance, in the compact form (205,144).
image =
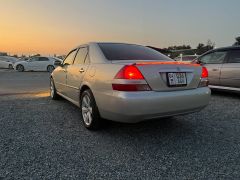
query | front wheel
(89,111)
(50,68)
(10,66)
(20,68)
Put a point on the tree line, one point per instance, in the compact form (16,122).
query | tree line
(174,51)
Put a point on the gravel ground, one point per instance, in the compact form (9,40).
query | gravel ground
(12,82)
(41,138)
(45,139)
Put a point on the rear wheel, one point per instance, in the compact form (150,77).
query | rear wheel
(20,68)
(50,68)
(89,111)
(53,91)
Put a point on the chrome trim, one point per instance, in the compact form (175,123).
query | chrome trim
(224,88)
(72,87)
(68,86)
(60,83)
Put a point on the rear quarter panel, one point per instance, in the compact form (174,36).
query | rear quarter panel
(99,79)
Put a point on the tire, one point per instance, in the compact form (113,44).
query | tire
(20,68)
(50,68)
(89,111)
(53,91)
(10,66)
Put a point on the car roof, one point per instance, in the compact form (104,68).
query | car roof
(227,48)
(95,43)
(221,49)
(41,56)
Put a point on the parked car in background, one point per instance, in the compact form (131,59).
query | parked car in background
(128,83)
(23,58)
(5,64)
(7,61)
(37,64)
(223,65)
(187,58)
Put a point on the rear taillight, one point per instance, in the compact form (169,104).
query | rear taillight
(204,72)
(131,79)
(204,78)
(129,72)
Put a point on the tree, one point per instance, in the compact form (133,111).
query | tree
(202,48)
(179,47)
(237,43)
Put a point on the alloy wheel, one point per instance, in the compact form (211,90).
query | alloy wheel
(50,69)
(87,110)
(20,68)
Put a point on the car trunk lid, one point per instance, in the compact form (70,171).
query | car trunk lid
(169,75)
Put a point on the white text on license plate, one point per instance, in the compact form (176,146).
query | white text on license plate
(177,79)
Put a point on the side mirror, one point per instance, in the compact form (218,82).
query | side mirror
(57,63)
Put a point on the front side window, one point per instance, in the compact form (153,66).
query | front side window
(234,56)
(119,51)
(69,59)
(214,58)
(81,56)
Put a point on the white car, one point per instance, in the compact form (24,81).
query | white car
(7,62)
(37,64)
(186,58)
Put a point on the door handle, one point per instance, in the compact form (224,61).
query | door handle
(214,69)
(81,70)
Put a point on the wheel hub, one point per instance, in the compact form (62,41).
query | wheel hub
(86,110)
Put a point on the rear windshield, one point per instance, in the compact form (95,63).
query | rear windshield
(117,51)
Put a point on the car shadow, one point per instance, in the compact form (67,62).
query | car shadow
(224,93)
(63,117)
(166,123)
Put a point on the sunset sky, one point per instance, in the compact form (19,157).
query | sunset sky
(56,26)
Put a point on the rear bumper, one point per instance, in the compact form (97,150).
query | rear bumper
(134,107)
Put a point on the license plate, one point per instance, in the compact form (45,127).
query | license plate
(177,79)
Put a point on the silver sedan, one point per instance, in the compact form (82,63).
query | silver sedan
(223,65)
(128,83)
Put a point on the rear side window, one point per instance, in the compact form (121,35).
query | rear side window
(118,51)
(34,59)
(234,56)
(81,56)
(69,59)
(214,58)
(43,59)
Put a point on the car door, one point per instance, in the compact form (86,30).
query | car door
(213,61)
(3,64)
(230,72)
(60,73)
(32,64)
(42,64)
(76,73)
